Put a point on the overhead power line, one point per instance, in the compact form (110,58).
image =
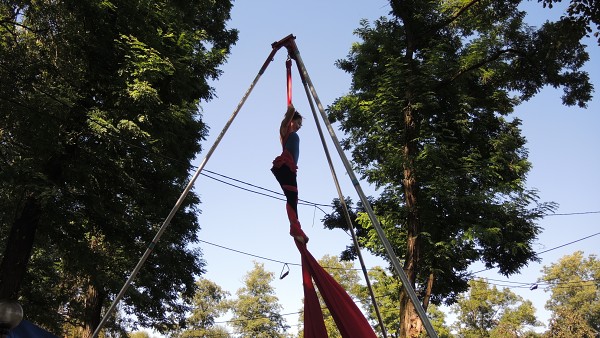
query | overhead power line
(118,138)
(569,243)
(551,249)
(519,284)
(248,254)
(277,193)
(574,213)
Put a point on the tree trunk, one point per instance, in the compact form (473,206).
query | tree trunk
(410,322)
(18,249)
(428,291)
(426,297)
(92,310)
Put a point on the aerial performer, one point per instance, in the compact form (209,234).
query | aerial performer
(348,317)
(285,167)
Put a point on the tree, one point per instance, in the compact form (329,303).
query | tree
(209,303)
(427,122)
(256,312)
(99,125)
(488,312)
(575,302)
(344,273)
(582,12)
(386,289)
(565,323)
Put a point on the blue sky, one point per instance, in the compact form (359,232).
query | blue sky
(562,145)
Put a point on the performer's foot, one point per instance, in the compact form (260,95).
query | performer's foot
(301,239)
(297,233)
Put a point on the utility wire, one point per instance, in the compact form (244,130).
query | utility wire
(300,201)
(551,249)
(575,241)
(523,284)
(574,213)
(266,258)
(248,254)
(118,138)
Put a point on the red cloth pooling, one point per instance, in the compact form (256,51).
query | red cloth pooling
(349,319)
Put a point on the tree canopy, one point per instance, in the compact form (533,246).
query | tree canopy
(582,12)
(99,123)
(574,300)
(257,312)
(486,311)
(427,121)
(209,303)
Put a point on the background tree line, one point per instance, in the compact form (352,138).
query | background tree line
(483,311)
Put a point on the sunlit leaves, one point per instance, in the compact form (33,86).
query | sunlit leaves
(256,312)
(488,312)
(574,282)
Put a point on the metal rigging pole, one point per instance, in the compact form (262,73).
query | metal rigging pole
(295,54)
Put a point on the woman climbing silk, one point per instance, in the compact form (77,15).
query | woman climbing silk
(349,319)
(285,167)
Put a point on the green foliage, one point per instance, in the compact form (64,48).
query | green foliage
(386,289)
(575,301)
(99,124)
(488,312)
(566,323)
(427,122)
(438,321)
(581,12)
(256,312)
(139,334)
(209,303)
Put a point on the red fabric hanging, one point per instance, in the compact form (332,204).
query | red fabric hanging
(288,66)
(349,319)
(314,326)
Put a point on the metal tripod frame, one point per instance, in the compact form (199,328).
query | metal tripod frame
(290,44)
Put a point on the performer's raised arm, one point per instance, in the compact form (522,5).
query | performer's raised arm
(286,122)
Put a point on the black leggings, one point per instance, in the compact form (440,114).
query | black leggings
(287,179)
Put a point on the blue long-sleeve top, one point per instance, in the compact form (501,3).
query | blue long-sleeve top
(292,145)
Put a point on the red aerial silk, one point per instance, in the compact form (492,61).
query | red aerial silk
(348,318)
(288,73)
